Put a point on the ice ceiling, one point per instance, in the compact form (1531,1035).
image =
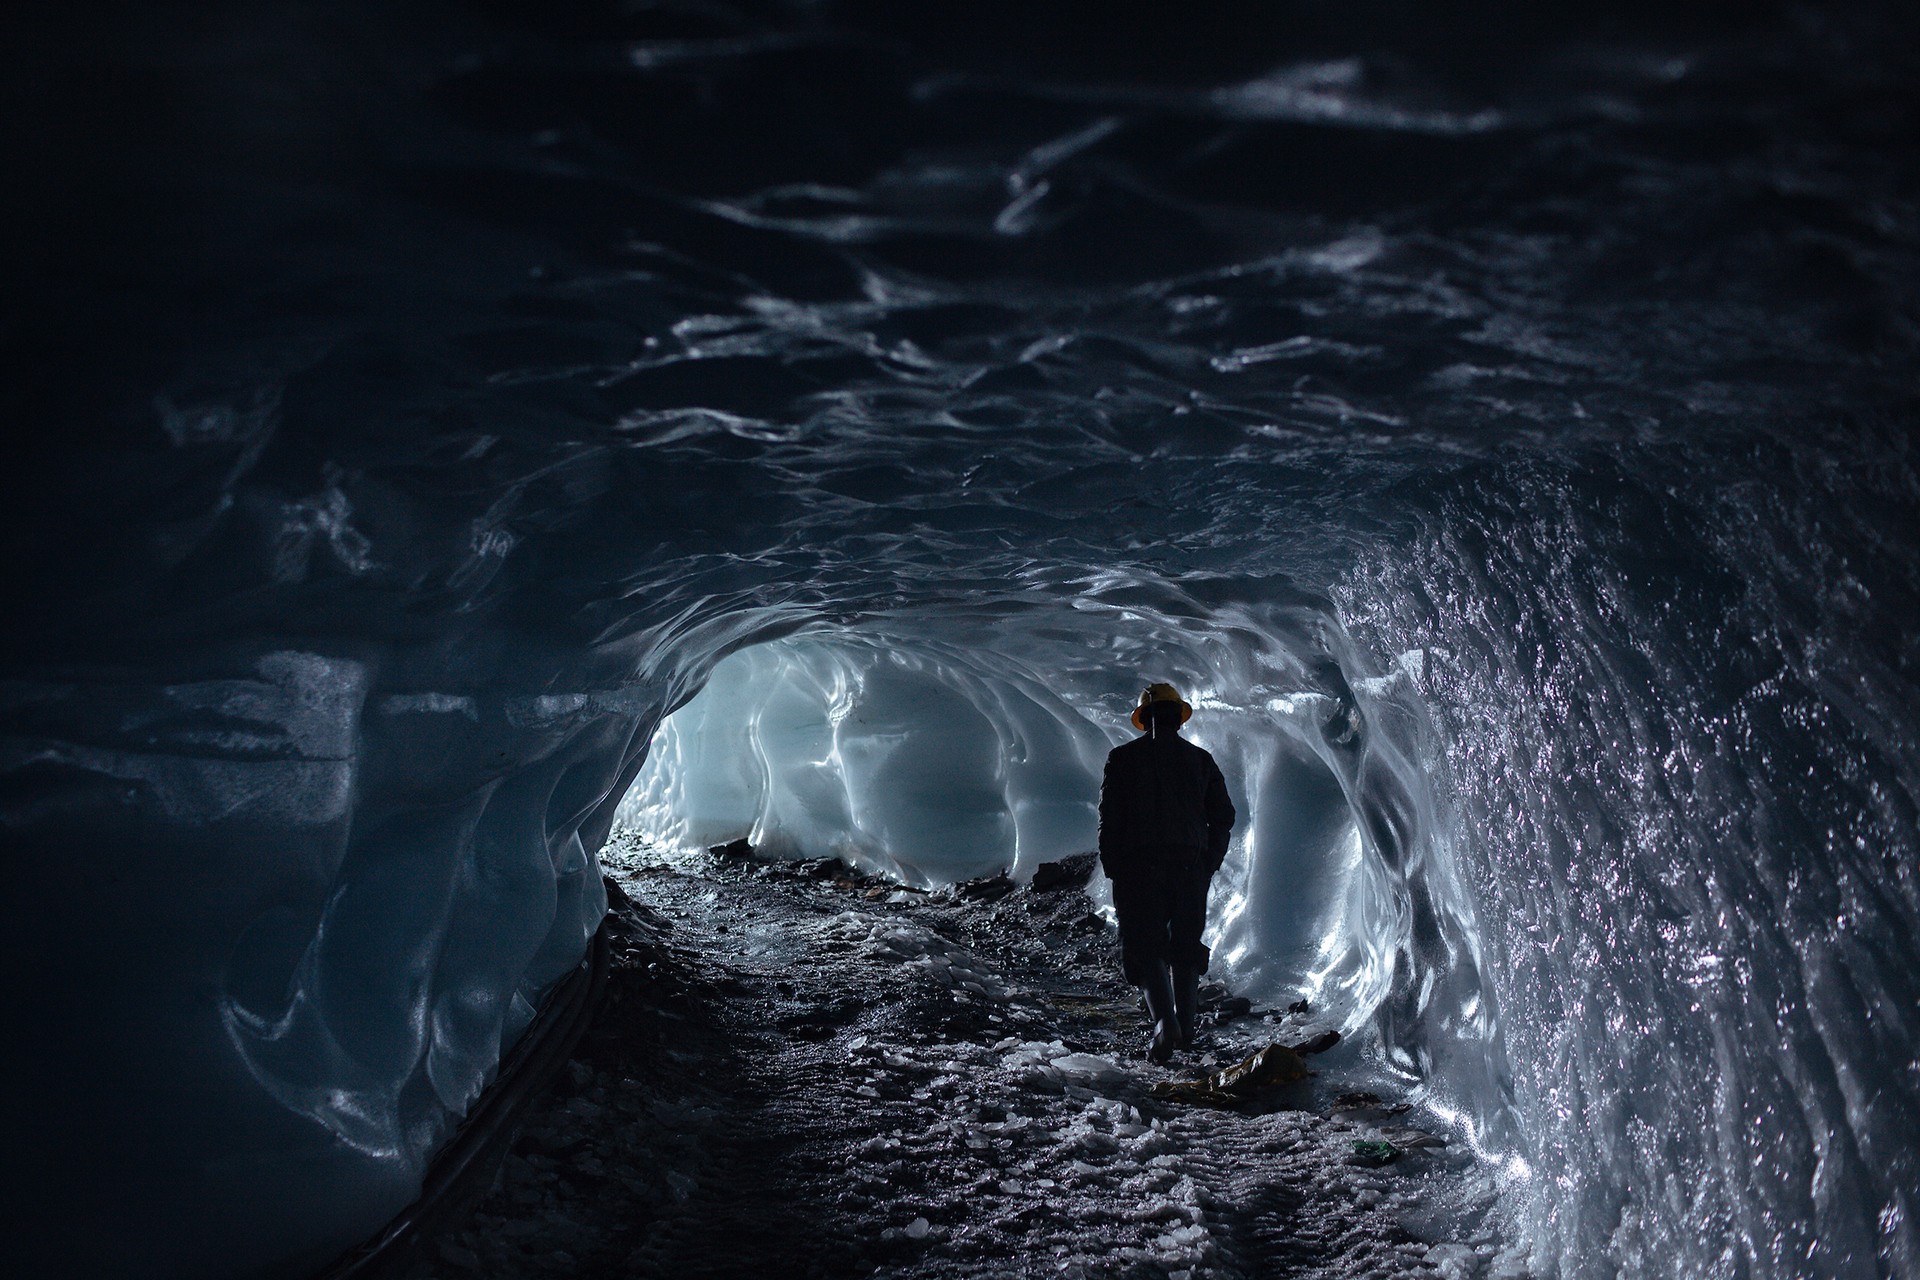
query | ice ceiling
(1508,447)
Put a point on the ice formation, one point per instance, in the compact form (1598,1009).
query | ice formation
(933,765)
(1510,455)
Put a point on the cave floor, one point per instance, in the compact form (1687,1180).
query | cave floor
(803,1074)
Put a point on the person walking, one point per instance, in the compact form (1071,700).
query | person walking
(1165,820)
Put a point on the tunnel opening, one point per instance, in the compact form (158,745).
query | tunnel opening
(931,765)
(914,761)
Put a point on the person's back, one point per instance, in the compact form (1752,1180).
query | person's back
(1165,822)
(1164,792)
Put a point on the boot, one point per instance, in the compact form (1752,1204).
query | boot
(1166,1023)
(1186,1001)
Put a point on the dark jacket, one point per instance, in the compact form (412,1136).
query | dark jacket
(1160,794)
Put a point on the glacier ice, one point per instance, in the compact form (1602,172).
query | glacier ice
(931,766)
(1513,460)
(327,968)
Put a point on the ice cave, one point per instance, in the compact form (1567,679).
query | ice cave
(650,516)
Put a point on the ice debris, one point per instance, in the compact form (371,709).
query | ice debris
(1053,1066)
(902,942)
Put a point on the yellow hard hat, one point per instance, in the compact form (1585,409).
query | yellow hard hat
(1160,693)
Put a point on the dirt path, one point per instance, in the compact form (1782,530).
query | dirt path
(801,1077)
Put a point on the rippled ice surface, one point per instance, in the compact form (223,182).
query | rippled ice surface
(1502,425)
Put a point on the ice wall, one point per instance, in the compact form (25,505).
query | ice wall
(282,923)
(1683,767)
(924,764)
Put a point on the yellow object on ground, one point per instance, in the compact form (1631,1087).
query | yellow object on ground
(1270,1068)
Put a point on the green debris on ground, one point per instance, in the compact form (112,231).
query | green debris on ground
(1373,1154)
(1270,1068)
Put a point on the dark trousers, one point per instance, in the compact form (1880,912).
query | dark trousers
(1161,899)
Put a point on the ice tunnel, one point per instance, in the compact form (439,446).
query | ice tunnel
(932,765)
(446,431)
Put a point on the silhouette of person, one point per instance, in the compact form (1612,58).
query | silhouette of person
(1165,820)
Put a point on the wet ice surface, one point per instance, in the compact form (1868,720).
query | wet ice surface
(434,401)
(829,1077)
